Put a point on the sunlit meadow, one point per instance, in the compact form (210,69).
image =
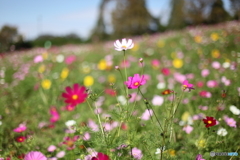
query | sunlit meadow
(166,96)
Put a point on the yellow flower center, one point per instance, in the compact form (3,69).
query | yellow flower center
(136,83)
(75,97)
(209,122)
(124,47)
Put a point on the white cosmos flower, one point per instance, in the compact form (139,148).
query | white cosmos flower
(222,132)
(122,100)
(70,123)
(159,150)
(125,45)
(234,110)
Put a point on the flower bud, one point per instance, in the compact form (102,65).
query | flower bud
(141,60)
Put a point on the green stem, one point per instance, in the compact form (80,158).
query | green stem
(99,121)
(148,105)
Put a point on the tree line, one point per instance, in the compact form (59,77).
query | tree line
(130,18)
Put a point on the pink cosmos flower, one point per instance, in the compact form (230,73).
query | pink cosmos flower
(54,115)
(51,148)
(70,59)
(205,94)
(205,72)
(134,97)
(135,81)
(20,128)
(69,142)
(200,84)
(212,83)
(136,153)
(125,63)
(155,63)
(157,100)
(188,129)
(38,59)
(94,127)
(110,126)
(199,157)
(187,85)
(230,121)
(179,77)
(101,156)
(86,136)
(204,108)
(165,71)
(35,155)
(147,114)
(60,154)
(125,45)
(216,65)
(75,95)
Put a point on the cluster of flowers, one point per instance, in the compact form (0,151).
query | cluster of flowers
(77,94)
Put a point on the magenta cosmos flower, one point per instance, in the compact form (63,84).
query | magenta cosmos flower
(75,95)
(187,85)
(101,156)
(135,81)
(125,45)
(35,155)
(20,128)
(199,157)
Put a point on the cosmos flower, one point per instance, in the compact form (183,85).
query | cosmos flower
(46,84)
(60,154)
(125,45)
(135,81)
(75,95)
(69,142)
(222,132)
(147,114)
(64,74)
(201,143)
(54,115)
(136,153)
(199,157)
(88,81)
(35,155)
(188,129)
(51,148)
(101,156)
(157,100)
(230,121)
(38,59)
(20,139)
(70,59)
(167,91)
(20,128)
(234,110)
(187,85)
(210,121)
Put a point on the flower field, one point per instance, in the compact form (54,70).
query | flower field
(174,95)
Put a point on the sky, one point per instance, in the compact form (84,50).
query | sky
(61,17)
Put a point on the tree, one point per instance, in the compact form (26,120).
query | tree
(99,31)
(218,14)
(177,19)
(195,11)
(131,17)
(235,5)
(8,36)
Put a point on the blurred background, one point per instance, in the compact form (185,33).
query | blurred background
(25,24)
